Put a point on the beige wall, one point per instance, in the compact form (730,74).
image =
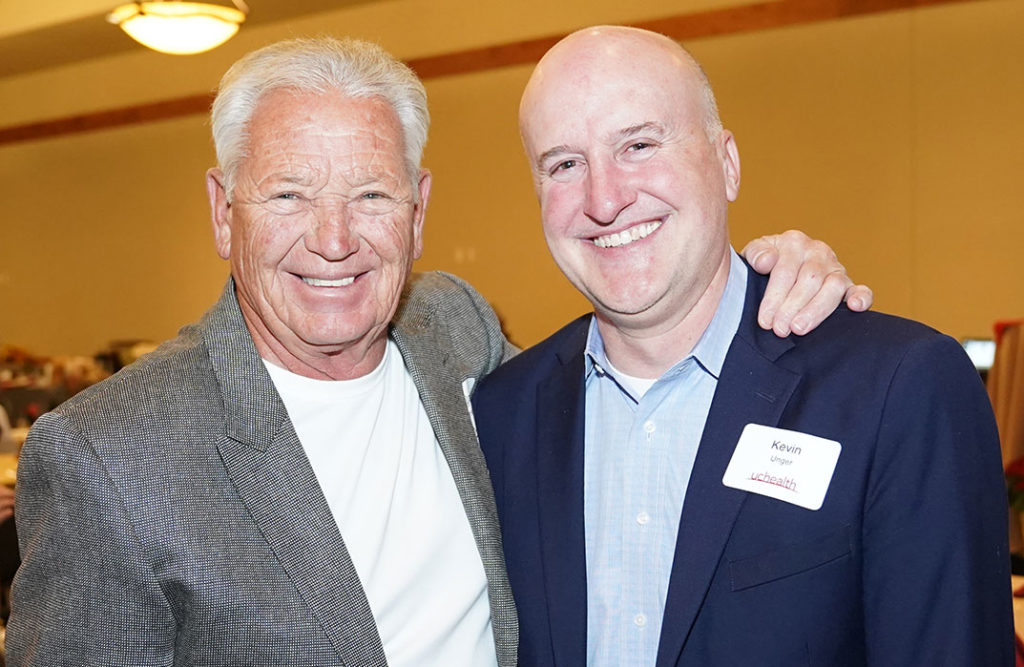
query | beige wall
(896,137)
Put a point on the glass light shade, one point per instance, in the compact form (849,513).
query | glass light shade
(177,27)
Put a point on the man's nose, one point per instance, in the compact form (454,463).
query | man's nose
(332,236)
(608,192)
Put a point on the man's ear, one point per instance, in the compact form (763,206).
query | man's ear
(730,165)
(220,212)
(420,213)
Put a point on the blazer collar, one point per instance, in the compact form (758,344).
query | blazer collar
(751,389)
(438,373)
(268,466)
(559,438)
(252,407)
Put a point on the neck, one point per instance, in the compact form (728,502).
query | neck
(319,362)
(346,364)
(647,350)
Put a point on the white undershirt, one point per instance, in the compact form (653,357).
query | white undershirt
(636,385)
(393,496)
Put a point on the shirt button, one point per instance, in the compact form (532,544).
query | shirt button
(643,518)
(640,620)
(649,426)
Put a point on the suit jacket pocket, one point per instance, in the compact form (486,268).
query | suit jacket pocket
(789,559)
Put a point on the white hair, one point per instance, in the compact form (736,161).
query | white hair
(352,67)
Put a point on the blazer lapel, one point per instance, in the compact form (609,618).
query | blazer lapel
(438,372)
(268,466)
(560,450)
(751,389)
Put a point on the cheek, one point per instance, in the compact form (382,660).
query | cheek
(390,237)
(267,240)
(559,204)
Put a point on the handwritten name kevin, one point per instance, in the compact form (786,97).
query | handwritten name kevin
(783,447)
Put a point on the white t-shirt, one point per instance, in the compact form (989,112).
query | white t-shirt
(393,496)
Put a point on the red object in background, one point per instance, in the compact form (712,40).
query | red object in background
(999,327)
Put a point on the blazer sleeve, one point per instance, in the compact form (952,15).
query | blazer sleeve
(84,594)
(936,562)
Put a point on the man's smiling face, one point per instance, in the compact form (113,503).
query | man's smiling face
(323,224)
(633,191)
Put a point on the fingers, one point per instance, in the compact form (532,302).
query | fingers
(800,264)
(811,301)
(859,298)
(806,283)
(761,253)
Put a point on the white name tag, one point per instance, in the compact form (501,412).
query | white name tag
(786,465)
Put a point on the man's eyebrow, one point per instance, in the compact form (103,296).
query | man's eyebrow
(648,127)
(552,152)
(641,128)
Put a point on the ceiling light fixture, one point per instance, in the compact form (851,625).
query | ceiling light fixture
(181,28)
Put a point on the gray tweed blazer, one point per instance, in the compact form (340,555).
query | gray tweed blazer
(169,516)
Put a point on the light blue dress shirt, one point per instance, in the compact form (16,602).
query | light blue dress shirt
(639,454)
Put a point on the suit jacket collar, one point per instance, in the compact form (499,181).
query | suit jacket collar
(268,466)
(561,401)
(751,389)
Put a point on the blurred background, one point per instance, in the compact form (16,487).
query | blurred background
(892,129)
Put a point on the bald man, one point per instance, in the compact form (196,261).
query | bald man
(677,486)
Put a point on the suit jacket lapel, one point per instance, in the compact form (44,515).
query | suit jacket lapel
(273,477)
(438,371)
(560,451)
(751,389)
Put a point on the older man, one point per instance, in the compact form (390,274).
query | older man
(675,485)
(295,479)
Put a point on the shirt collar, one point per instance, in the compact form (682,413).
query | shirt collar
(713,344)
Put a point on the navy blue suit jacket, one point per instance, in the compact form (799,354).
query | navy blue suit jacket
(906,562)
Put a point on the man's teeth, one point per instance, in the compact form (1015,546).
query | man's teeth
(626,236)
(318,282)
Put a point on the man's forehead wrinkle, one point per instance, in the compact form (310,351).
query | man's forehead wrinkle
(292,175)
(357,158)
